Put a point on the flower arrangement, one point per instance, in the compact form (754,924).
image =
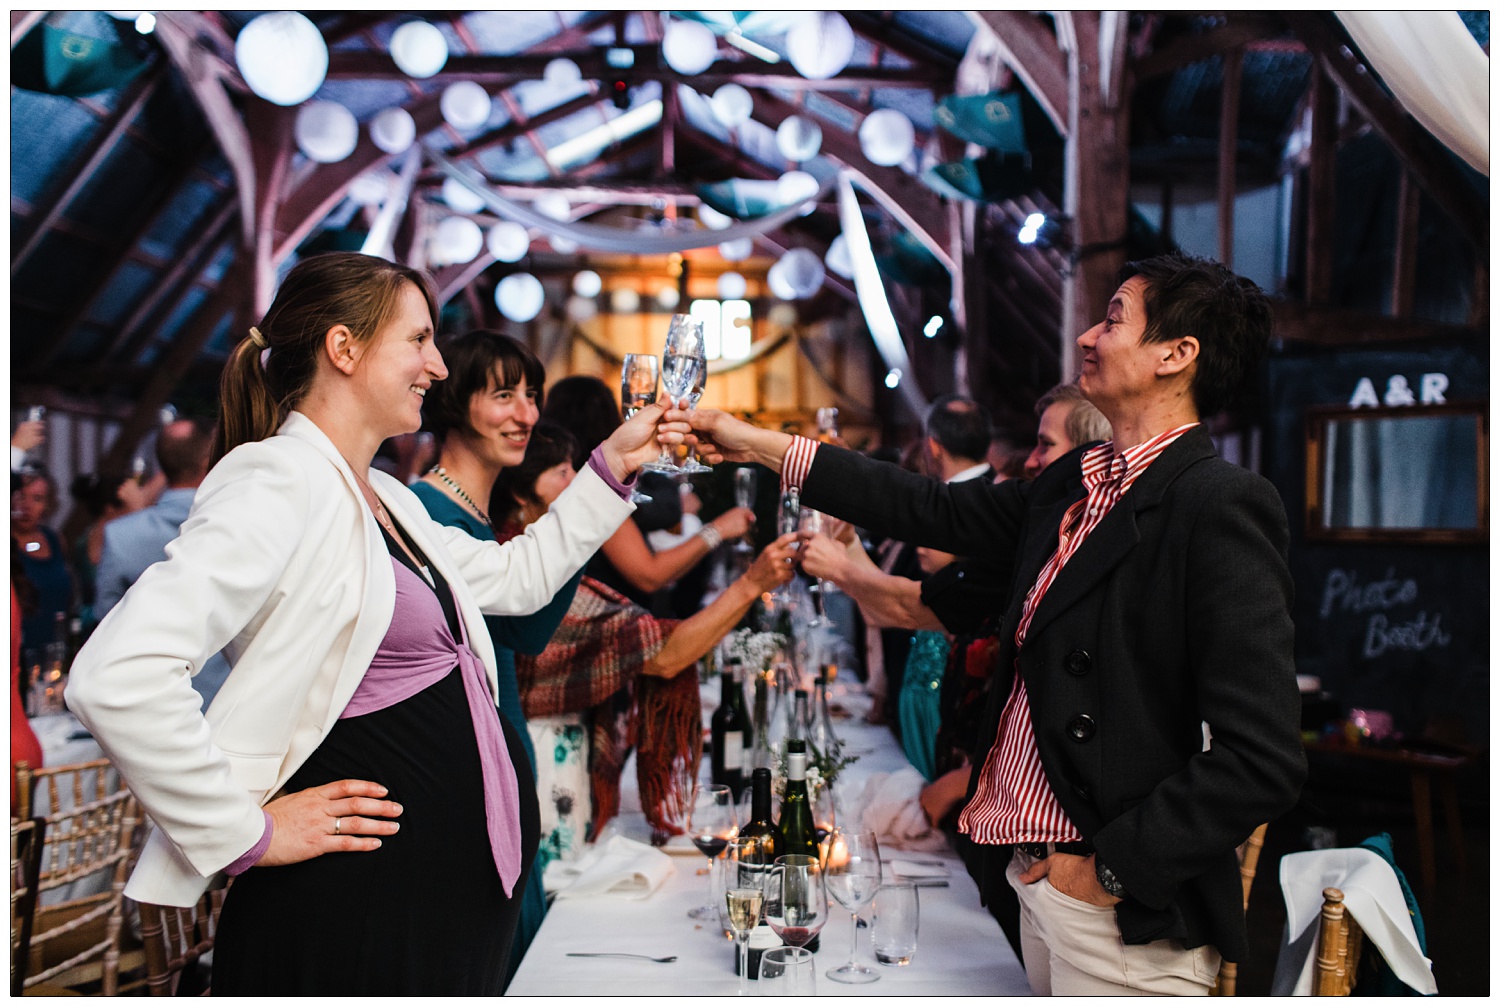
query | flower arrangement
(753,650)
(823,769)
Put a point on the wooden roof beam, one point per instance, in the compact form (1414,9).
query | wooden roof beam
(1239,30)
(884,33)
(1031,50)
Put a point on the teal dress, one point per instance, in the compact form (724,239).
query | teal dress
(919,706)
(510,635)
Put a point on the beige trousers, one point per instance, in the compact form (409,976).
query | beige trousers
(1073,948)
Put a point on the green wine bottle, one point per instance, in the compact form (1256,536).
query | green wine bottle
(796,826)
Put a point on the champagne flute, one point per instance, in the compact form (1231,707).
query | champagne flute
(683,365)
(711,827)
(851,861)
(692,465)
(744,496)
(787,521)
(811,521)
(744,913)
(638,379)
(796,898)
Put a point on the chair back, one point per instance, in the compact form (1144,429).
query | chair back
(26,837)
(1339,943)
(91,824)
(176,938)
(1249,854)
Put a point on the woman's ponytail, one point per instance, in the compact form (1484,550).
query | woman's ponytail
(248,410)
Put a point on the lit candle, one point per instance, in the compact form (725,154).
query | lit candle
(835,852)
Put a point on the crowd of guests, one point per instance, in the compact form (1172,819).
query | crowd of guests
(464,653)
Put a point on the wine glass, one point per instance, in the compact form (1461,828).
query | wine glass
(711,827)
(851,862)
(638,379)
(811,521)
(684,367)
(796,898)
(744,496)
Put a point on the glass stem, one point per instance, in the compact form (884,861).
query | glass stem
(853,939)
(710,901)
(742,945)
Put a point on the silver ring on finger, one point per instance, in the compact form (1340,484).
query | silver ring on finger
(338,826)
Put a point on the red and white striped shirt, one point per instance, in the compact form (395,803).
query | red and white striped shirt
(1013,802)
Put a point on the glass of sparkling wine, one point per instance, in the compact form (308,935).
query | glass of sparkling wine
(744,913)
(638,380)
(851,862)
(684,368)
(744,496)
(811,521)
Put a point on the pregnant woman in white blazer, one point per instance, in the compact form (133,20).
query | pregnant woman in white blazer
(352,773)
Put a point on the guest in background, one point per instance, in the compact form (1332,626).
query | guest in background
(29,435)
(1065,420)
(920,704)
(587,409)
(612,675)
(24,746)
(33,500)
(104,498)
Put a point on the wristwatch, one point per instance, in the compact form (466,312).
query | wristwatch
(1107,879)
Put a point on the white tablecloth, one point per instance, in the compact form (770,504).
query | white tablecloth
(960,950)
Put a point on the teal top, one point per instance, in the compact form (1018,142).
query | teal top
(919,706)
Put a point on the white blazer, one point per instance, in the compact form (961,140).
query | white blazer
(282,567)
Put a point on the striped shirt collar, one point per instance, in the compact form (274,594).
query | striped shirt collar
(1102,464)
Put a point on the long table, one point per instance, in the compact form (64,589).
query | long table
(960,950)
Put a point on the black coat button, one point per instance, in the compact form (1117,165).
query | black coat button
(1078,662)
(1081,728)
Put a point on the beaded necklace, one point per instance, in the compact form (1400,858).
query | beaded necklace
(442,474)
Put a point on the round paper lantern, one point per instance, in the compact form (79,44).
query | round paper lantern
(586,283)
(562,245)
(689,47)
(371,188)
(798,138)
(780,287)
(796,187)
(838,260)
(562,71)
(581,309)
(713,219)
(393,130)
(732,106)
(732,286)
(737,250)
(803,271)
(507,241)
(520,297)
(460,198)
(625,301)
(821,45)
(456,239)
(326,131)
(554,205)
(419,49)
(282,57)
(782,315)
(887,137)
(668,298)
(465,105)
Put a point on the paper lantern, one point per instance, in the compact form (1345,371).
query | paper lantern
(887,137)
(732,106)
(689,47)
(562,71)
(456,239)
(586,283)
(780,287)
(508,241)
(554,205)
(371,188)
(460,198)
(803,272)
(625,301)
(465,105)
(732,286)
(326,131)
(668,298)
(419,49)
(737,250)
(796,187)
(282,57)
(562,245)
(581,309)
(393,130)
(782,315)
(713,219)
(837,260)
(798,138)
(520,297)
(820,46)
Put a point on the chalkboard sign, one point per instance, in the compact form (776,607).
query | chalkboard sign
(1396,627)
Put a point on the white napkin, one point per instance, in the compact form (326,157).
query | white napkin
(618,867)
(1372,895)
(912,869)
(894,813)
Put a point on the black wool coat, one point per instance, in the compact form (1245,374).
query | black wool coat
(1175,612)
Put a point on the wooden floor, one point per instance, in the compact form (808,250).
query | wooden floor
(1456,914)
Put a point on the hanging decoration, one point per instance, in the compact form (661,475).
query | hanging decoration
(798,189)
(371,188)
(837,260)
(667,298)
(803,272)
(465,105)
(553,205)
(520,297)
(738,250)
(282,57)
(455,240)
(562,71)
(625,301)
(688,47)
(587,283)
(731,286)
(781,288)
(461,199)
(419,49)
(507,241)
(393,130)
(732,106)
(990,120)
(326,131)
(713,219)
(820,46)
(798,138)
(887,137)
(580,308)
